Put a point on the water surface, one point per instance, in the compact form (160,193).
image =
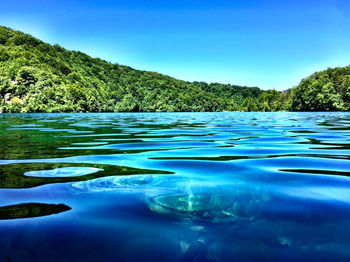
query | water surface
(175,187)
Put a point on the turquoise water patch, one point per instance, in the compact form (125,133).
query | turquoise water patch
(175,187)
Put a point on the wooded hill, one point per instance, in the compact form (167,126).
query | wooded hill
(39,77)
(327,90)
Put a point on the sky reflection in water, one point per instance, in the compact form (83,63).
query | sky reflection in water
(175,187)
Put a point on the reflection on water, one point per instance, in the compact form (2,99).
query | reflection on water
(24,175)
(64,172)
(175,187)
(31,210)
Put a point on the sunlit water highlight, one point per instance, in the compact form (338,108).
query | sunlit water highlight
(175,187)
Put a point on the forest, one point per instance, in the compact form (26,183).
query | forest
(39,77)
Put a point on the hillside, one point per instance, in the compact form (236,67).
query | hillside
(327,90)
(38,77)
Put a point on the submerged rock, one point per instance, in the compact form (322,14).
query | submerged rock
(209,206)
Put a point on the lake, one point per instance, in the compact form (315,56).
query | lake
(175,187)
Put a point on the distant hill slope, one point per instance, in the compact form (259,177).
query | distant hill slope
(38,77)
(328,90)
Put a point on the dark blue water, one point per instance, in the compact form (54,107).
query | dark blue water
(175,187)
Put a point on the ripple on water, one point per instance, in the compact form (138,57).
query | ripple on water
(64,172)
(205,186)
(124,182)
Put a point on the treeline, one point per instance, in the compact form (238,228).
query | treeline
(328,90)
(38,77)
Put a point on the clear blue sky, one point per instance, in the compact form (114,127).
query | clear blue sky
(265,43)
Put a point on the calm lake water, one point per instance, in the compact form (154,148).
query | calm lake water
(175,187)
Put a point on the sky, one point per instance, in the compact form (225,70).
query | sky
(272,44)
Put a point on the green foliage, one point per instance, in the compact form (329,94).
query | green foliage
(328,90)
(38,77)
(15,105)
